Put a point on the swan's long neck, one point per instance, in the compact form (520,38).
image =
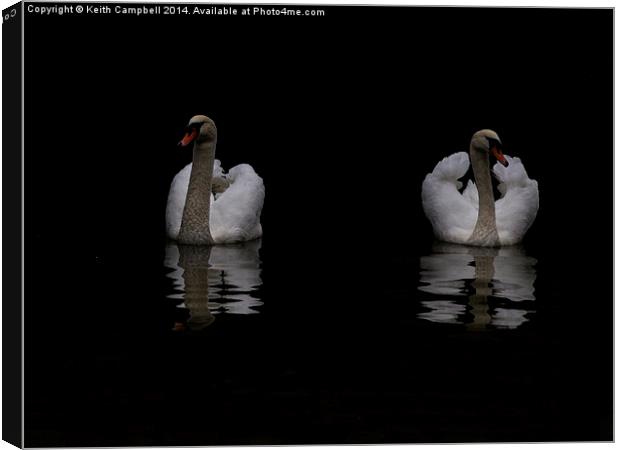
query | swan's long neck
(195,223)
(485,231)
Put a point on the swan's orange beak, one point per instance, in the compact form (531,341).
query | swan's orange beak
(499,156)
(189,137)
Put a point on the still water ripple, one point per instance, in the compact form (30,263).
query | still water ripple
(478,287)
(208,281)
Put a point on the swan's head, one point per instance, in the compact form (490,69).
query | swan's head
(199,129)
(488,141)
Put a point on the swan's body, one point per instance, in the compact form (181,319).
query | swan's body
(473,217)
(194,214)
(234,213)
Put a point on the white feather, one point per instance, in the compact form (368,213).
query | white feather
(453,215)
(235,213)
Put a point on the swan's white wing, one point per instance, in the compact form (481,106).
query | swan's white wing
(451,214)
(218,171)
(517,209)
(235,214)
(176,201)
(470,193)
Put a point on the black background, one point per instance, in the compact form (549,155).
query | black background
(342,116)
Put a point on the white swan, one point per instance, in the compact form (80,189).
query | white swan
(207,206)
(473,217)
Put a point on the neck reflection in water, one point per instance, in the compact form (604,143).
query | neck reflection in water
(476,286)
(211,280)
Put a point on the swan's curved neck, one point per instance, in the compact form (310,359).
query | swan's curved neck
(195,222)
(485,231)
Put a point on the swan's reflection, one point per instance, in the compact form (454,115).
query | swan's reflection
(461,279)
(212,280)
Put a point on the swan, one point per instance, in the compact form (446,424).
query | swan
(473,217)
(207,206)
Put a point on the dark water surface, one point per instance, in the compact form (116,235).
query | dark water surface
(346,323)
(230,345)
